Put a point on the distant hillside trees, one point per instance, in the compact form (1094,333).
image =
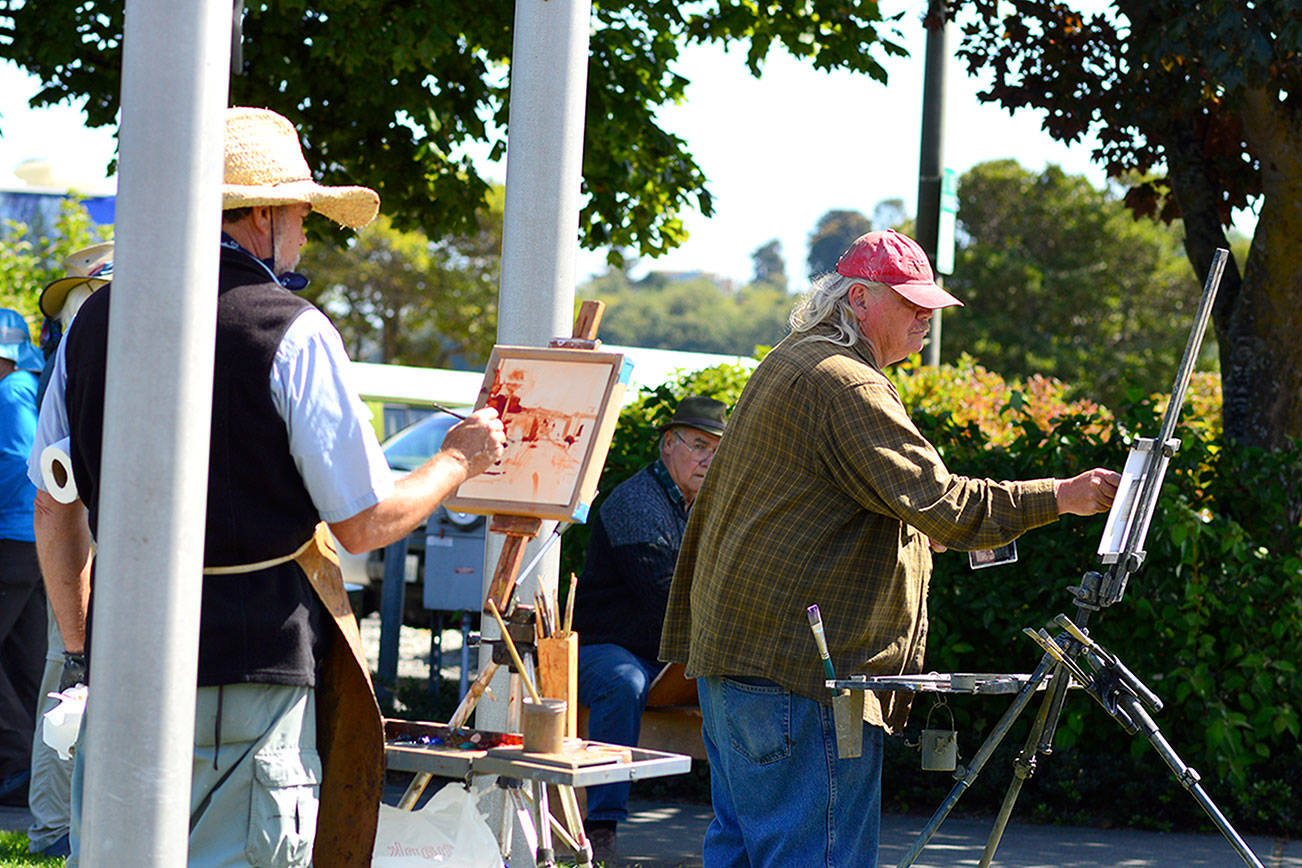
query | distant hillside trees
(1059,278)
(696,312)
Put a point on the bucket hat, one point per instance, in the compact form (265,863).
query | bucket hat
(16,342)
(265,166)
(897,261)
(698,411)
(92,266)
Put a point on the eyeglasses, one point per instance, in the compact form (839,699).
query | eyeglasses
(700,450)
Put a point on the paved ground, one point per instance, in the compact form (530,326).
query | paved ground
(669,835)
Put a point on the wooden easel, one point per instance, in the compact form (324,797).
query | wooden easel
(555,680)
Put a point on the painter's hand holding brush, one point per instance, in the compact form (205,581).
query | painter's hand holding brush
(477,442)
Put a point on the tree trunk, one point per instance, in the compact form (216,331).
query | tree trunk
(1261,363)
(1258,317)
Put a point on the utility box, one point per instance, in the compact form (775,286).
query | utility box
(454,561)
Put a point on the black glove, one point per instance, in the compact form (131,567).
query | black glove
(75,671)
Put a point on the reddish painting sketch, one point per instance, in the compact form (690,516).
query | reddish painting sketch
(550,409)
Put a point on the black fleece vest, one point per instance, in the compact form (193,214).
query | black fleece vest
(263,626)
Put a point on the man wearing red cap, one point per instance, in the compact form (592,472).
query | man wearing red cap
(825,493)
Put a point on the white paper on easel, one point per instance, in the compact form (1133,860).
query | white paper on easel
(1125,506)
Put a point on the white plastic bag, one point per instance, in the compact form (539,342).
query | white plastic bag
(61,724)
(448,832)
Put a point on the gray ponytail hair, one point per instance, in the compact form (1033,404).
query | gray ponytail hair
(828,302)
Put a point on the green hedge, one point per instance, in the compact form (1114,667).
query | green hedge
(1212,622)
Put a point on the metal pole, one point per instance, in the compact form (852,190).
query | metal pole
(549,68)
(931,160)
(544,160)
(393,593)
(544,157)
(158,403)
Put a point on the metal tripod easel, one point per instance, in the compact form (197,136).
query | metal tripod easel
(1072,658)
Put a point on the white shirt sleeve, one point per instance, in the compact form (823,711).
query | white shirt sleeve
(330,434)
(52,424)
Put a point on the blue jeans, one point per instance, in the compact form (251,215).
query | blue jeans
(781,797)
(613,684)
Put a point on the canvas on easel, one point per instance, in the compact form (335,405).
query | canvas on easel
(559,408)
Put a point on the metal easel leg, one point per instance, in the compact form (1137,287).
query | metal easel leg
(982,756)
(1023,767)
(506,826)
(546,852)
(557,826)
(1187,777)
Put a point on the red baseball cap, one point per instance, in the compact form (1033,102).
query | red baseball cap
(897,261)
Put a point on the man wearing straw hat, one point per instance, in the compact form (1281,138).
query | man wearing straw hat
(86,270)
(825,493)
(284,710)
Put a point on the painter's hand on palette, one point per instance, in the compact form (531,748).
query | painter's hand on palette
(478,442)
(1087,494)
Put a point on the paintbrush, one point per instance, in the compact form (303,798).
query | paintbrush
(443,409)
(569,605)
(847,706)
(816,624)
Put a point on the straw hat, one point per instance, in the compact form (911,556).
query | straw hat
(92,266)
(265,166)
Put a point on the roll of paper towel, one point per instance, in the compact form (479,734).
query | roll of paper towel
(56,470)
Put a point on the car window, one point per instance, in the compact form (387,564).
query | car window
(412,446)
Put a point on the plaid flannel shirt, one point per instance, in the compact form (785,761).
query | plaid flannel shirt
(823,491)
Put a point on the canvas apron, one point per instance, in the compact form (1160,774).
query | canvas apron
(350,730)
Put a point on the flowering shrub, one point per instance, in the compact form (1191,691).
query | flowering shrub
(970,393)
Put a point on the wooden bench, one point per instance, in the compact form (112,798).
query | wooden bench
(672,719)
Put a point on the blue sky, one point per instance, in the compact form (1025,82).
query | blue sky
(779,150)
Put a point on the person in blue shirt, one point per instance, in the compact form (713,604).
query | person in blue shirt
(22,599)
(49,797)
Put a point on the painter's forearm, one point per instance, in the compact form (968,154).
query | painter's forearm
(414,497)
(63,545)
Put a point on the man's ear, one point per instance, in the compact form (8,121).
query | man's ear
(261,217)
(857,298)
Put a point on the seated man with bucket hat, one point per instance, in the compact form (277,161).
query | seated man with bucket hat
(286,725)
(620,602)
